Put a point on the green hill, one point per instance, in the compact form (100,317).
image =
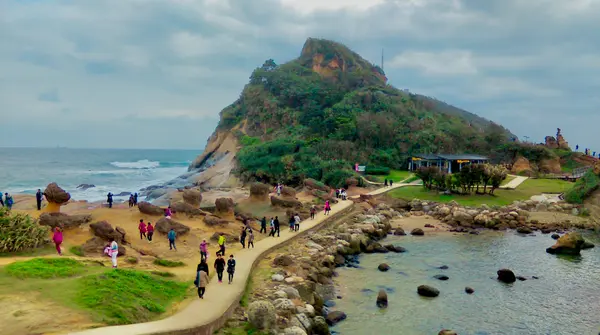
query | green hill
(317,115)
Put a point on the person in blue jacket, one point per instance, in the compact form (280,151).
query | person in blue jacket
(172,235)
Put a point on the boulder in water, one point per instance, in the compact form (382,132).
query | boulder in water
(417,232)
(506,276)
(164,225)
(568,244)
(394,248)
(524,230)
(399,232)
(555,236)
(383,267)
(441,277)
(447,332)
(84,187)
(150,209)
(428,291)
(587,245)
(335,317)
(469,290)
(382,299)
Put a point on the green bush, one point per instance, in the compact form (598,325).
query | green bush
(77,250)
(20,232)
(377,170)
(167,263)
(582,188)
(45,268)
(127,296)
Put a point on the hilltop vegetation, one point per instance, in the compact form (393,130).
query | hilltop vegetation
(316,116)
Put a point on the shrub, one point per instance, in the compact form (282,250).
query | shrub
(20,232)
(45,268)
(167,263)
(77,250)
(582,188)
(377,170)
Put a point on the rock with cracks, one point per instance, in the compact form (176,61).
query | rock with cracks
(63,221)
(56,197)
(568,244)
(262,315)
(150,209)
(164,225)
(192,197)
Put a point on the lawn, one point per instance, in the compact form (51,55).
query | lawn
(508,179)
(501,197)
(395,175)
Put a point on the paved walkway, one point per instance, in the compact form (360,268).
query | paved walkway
(513,184)
(220,297)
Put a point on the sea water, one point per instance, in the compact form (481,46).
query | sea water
(565,300)
(24,170)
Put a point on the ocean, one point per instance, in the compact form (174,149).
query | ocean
(24,170)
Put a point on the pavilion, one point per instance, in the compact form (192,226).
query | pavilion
(446,162)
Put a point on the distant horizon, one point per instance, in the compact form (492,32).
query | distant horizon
(99,148)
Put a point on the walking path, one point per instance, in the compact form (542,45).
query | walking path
(513,184)
(209,314)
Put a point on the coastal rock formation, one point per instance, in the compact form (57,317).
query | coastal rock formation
(288,192)
(521,166)
(56,197)
(506,276)
(447,332)
(105,231)
(192,197)
(382,299)
(551,165)
(285,202)
(320,326)
(441,277)
(469,290)
(261,314)
(560,140)
(259,191)
(63,221)
(568,244)
(283,260)
(184,207)
(316,185)
(84,187)
(96,245)
(164,225)
(417,232)
(428,291)
(550,142)
(212,220)
(150,209)
(224,207)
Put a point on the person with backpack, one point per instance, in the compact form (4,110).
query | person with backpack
(272,226)
(221,243)
(57,238)
(9,201)
(220,267)
(150,230)
(263,225)
(142,228)
(171,236)
(203,250)
(313,211)
(201,279)
(250,238)
(230,268)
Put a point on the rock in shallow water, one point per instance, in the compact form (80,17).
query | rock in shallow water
(506,276)
(383,267)
(469,290)
(428,291)
(447,332)
(335,317)
(441,277)
(568,244)
(382,299)
(555,236)
(417,232)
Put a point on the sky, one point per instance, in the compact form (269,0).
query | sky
(156,73)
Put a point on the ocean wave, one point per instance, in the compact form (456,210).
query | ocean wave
(141,164)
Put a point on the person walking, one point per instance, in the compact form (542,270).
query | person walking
(201,281)
(9,201)
(391,183)
(57,238)
(243,237)
(250,239)
(221,243)
(276,224)
(114,252)
(150,230)
(130,200)
(272,226)
(385,182)
(168,212)
(291,222)
(327,207)
(142,228)
(38,199)
(313,211)
(1,201)
(263,225)
(135,199)
(297,222)
(171,236)
(220,267)
(109,199)
(230,268)
(203,251)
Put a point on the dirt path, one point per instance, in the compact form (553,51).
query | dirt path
(203,315)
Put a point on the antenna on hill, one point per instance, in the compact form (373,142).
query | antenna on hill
(526,139)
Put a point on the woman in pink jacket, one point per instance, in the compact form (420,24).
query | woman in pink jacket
(57,238)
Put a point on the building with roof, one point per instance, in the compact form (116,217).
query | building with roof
(446,162)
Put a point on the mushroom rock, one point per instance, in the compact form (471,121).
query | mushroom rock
(192,197)
(259,191)
(164,225)
(224,207)
(285,202)
(63,221)
(96,245)
(56,197)
(288,192)
(150,209)
(184,207)
(568,244)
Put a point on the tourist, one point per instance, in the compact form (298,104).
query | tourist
(168,212)
(1,201)
(243,237)
(313,211)
(385,182)
(114,252)
(230,268)
(9,201)
(220,267)
(142,229)
(337,193)
(171,236)
(344,195)
(391,183)
(203,266)
(221,243)
(57,238)
(263,225)
(327,207)
(135,199)
(250,238)
(201,281)
(291,222)
(276,223)
(109,199)
(130,200)
(272,226)
(38,199)
(279,187)
(203,250)
(297,222)
(150,231)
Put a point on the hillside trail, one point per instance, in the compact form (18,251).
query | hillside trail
(208,314)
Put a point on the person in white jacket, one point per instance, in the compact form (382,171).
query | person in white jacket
(114,252)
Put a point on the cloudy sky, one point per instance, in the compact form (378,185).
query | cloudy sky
(156,73)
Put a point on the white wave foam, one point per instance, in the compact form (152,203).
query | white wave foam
(141,164)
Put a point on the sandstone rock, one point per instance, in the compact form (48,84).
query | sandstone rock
(284,307)
(105,231)
(304,322)
(521,166)
(283,260)
(259,191)
(288,192)
(382,299)
(506,276)
(383,267)
(184,207)
(285,202)
(417,232)
(192,197)
(462,218)
(150,209)
(212,221)
(394,248)
(261,314)
(335,317)
(96,245)
(277,277)
(441,277)
(550,165)
(469,290)
(163,225)
(316,185)
(568,244)
(320,326)
(291,292)
(63,221)
(280,294)
(55,194)
(224,207)
(310,310)
(399,232)
(524,230)
(295,330)
(428,291)
(447,332)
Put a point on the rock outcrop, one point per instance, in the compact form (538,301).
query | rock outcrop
(164,225)
(212,220)
(56,197)
(521,166)
(261,314)
(150,209)
(192,197)
(63,221)
(550,166)
(428,291)
(184,207)
(105,231)
(259,192)
(285,202)
(224,207)
(568,244)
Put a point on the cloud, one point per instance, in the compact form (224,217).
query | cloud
(149,67)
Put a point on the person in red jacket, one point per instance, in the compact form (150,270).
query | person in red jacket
(142,229)
(150,231)
(57,238)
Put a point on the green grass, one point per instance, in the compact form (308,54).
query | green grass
(76,250)
(167,263)
(45,268)
(127,296)
(582,188)
(395,175)
(165,274)
(240,329)
(528,188)
(508,180)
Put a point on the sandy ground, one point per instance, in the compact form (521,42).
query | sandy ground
(412,222)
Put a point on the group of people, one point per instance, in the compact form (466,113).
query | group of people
(387,183)
(341,194)
(133,200)
(7,202)
(146,230)
(202,277)
(247,232)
